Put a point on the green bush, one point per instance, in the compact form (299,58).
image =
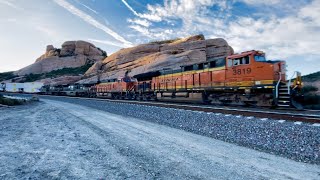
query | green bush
(57,73)
(311,101)
(10,102)
(311,77)
(307,89)
(33,77)
(6,76)
(165,41)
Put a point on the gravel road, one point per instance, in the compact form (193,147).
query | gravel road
(300,142)
(60,140)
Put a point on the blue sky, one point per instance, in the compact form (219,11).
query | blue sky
(284,29)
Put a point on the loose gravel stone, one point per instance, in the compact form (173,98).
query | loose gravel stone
(299,142)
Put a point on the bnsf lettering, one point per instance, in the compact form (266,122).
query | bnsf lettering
(169,80)
(241,71)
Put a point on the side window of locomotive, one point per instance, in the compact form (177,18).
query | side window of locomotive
(245,60)
(200,66)
(229,62)
(260,58)
(188,68)
(220,62)
(236,62)
(212,64)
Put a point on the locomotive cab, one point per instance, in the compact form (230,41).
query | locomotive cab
(251,69)
(263,79)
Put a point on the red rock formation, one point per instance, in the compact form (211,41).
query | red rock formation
(72,54)
(159,55)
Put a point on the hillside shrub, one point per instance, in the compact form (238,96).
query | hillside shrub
(10,102)
(6,76)
(307,89)
(56,73)
(311,77)
(311,102)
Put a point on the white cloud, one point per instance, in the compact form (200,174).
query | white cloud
(90,9)
(151,17)
(130,8)
(292,34)
(184,17)
(259,2)
(10,4)
(107,42)
(311,12)
(50,32)
(90,20)
(141,22)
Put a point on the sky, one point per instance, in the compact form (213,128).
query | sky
(283,29)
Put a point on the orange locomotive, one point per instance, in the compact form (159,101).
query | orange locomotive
(240,79)
(115,89)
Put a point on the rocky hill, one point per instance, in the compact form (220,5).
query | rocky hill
(72,54)
(159,55)
(82,62)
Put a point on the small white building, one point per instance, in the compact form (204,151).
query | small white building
(30,87)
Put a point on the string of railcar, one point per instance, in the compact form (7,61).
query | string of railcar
(240,79)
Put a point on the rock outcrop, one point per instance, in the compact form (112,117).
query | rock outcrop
(158,56)
(72,54)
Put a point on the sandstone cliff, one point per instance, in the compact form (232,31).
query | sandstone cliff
(72,54)
(157,56)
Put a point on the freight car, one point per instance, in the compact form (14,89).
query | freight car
(29,87)
(80,90)
(240,79)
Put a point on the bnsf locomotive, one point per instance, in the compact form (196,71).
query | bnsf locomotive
(240,79)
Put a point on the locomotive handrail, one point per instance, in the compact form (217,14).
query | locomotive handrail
(289,84)
(277,86)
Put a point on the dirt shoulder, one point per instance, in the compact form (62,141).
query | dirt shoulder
(54,139)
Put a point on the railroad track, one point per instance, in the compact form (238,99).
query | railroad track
(250,113)
(298,117)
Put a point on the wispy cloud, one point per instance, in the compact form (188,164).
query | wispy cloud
(90,20)
(106,42)
(141,22)
(177,18)
(259,2)
(90,9)
(130,8)
(151,17)
(290,34)
(10,4)
(50,32)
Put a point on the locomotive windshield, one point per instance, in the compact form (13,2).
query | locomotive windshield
(260,58)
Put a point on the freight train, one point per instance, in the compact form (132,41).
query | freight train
(239,79)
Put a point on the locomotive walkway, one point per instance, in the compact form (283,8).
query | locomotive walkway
(55,139)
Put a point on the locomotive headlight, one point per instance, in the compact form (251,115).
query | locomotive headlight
(298,82)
